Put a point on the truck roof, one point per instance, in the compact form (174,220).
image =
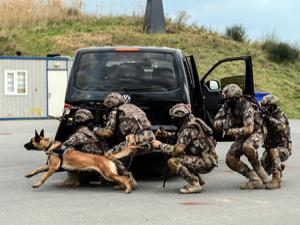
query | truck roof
(130,48)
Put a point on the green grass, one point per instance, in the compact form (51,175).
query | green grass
(67,35)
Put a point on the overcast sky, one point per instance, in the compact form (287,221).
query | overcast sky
(259,17)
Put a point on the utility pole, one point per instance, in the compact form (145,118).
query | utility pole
(154,20)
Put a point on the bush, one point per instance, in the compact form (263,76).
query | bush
(181,19)
(236,32)
(280,51)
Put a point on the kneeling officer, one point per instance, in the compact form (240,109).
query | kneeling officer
(194,152)
(278,145)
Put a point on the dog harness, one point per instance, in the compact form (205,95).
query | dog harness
(58,152)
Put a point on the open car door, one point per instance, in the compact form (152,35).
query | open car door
(236,70)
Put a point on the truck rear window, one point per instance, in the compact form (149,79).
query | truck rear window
(121,71)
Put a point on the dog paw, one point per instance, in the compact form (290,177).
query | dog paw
(36,185)
(28,175)
(128,190)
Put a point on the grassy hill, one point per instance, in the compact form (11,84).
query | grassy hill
(65,35)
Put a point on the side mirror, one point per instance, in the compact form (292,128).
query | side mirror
(213,85)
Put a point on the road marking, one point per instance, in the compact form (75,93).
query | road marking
(260,202)
(195,203)
(224,200)
(5,133)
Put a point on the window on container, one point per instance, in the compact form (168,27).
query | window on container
(21,82)
(15,82)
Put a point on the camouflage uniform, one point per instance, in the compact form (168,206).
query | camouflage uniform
(84,140)
(240,117)
(124,120)
(130,120)
(194,152)
(278,140)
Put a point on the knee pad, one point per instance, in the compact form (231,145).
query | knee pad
(174,164)
(249,151)
(231,162)
(273,153)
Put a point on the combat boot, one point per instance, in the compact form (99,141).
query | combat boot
(71,181)
(254,181)
(263,175)
(132,181)
(201,182)
(194,187)
(275,182)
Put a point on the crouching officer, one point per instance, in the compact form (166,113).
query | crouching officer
(241,118)
(194,152)
(129,123)
(84,140)
(278,145)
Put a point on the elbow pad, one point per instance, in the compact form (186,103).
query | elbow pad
(179,150)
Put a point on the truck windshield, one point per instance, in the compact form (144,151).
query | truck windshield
(134,71)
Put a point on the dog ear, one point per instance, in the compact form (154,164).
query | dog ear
(36,137)
(42,133)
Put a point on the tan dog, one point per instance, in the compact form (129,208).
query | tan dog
(73,160)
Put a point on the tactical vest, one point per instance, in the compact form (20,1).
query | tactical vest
(275,138)
(131,119)
(93,145)
(236,116)
(192,122)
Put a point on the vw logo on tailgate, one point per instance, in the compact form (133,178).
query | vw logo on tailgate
(126,98)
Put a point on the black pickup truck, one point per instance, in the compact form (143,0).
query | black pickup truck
(154,78)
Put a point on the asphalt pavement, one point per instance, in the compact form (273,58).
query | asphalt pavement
(221,202)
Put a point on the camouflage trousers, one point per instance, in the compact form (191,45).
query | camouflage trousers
(247,147)
(271,163)
(143,139)
(99,147)
(190,167)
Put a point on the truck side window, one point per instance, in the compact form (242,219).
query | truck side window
(189,74)
(227,73)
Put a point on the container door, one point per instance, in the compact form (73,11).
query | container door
(57,84)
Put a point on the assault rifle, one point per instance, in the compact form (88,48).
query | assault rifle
(227,124)
(168,140)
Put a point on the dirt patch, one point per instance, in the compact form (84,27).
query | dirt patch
(81,40)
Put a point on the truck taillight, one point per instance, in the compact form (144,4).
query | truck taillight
(67,106)
(127,49)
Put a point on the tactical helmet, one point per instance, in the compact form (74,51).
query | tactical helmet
(83,115)
(180,110)
(231,91)
(113,99)
(270,100)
